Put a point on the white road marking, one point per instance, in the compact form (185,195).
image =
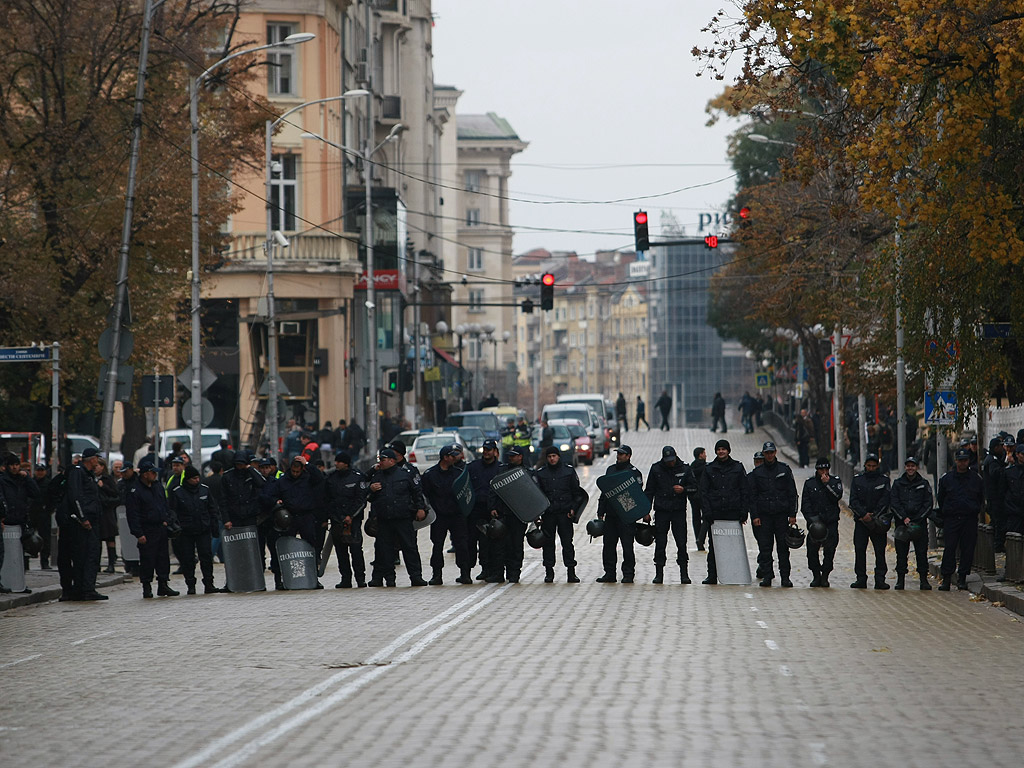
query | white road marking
(748,595)
(753,608)
(818,754)
(216,747)
(19,661)
(772,645)
(785,671)
(762,624)
(91,637)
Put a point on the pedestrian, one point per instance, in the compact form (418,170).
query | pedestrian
(18,491)
(148,518)
(774,510)
(511,549)
(621,419)
(78,552)
(1014,498)
(197,512)
(664,405)
(746,409)
(618,530)
(869,502)
(725,495)
(559,482)
(129,476)
(911,503)
(310,447)
(718,413)
(346,499)
(396,499)
(355,438)
(669,481)
(547,440)
(438,488)
(993,473)
(299,491)
(110,499)
(961,496)
(802,431)
(759,408)
(819,503)
(700,526)
(641,414)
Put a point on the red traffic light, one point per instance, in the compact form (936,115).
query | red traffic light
(744,212)
(640,217)
(711,241)
(547,279)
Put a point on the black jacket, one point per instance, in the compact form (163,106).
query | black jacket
(241,489)
(480,475)
(961,493)
(661,479)
(664,404)
(993,474)
(613,469)
(16,496)
(196,509)
(774,490)
(559,483)
(147,508)
(302,495)
(697,467)
(911,498)
(82,495)
(821,500)
(400,496)
(869,492)
(437,487)
(724,491)
(718,407)
(346,495)
(1013,500)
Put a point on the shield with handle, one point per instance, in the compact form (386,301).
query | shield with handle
(623,493)
(580,500)
(129,544)
(430,518)
(243,563)
(297,561)
(520,494)
(730,552)
(464,495)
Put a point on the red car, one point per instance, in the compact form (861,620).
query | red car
(583,444)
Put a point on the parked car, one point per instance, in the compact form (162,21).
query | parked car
(80,442)
(427,448)
(211,442)
(564,442)
(583,444)
(582,413)
(486,420)
(474,438)
(606,436)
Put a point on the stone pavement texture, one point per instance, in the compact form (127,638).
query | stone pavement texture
(519,675)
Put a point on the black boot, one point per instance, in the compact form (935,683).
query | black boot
(44,563)
(111,559)
(570,575)
(497,578)
(961,582)
(816,581)
(659,575)
(417,581)
(607,578)
(209,588)
(881,583)
(946,581)
(147,589)
(925,586)
(765,582)
(684,575)
(860,583)
(900,581)
(786,582)
(163,589)
(627,578)
(435,578)
(190,587)
(549,575)
(465,577)
(824,579)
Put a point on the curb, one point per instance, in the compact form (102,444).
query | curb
(48,593)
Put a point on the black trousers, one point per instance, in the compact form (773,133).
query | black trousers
(960,532)
(676,521)
(640,417)
(392,536)
(861,536)
(920,552)
(827,549)
(350,556)
(186,547)
(998,519)
(664,421)
(40,520)
(78,552)
(558,522)
(440,529)
(803,448)
(714,423)
(772,533)
(511,546)
(153,555)
(700,530)
(479,547)
(618,531)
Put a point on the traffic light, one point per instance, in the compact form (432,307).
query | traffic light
(527,306)
(643,240)
(547,291)
(392,380)
(405,377)
(711,241)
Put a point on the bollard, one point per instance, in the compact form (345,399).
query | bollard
(1014,557)
(984,555)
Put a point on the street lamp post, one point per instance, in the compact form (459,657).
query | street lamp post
(193,107)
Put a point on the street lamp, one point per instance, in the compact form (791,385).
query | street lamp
(759,138)
(371,294)
(193,109)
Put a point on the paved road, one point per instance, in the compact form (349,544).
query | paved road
(519,675)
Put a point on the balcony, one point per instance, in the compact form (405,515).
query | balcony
(306,250)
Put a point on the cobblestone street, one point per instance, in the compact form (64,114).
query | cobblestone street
(520,675)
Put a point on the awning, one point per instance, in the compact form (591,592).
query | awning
(446,357)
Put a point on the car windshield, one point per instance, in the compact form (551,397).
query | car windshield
(79,444)
(472,434)
(482,420)
(433,441)
(576,430)
(561,432)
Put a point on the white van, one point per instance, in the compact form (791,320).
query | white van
(211,442)
(584,414)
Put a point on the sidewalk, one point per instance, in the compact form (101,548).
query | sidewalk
(45,586)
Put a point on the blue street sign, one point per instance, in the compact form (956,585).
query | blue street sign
(23,354)
(761,380)
(995,330)
(940,408)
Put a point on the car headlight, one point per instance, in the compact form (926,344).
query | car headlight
(563,447)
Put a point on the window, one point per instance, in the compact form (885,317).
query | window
(474,348)
(474,181)
(280,73)
(472,217)
(283,192)
(476,297)
(476,259)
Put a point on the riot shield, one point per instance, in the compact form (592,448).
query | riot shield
(730,552)
(464,495)
(580,499)
(297,561)
(243,564)
(430,518)
(129,544)
(12,575)
(624,494)
(325,554)
(520,494)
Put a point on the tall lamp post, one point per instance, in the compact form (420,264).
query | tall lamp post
(193,108)
(371,295)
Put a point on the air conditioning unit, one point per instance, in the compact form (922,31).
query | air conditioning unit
(290,328)
(391,108)
(362,75)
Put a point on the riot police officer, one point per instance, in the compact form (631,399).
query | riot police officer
(724,495)
(510,552)
(346,499)
(819,503)
(148,518)
(961,496)
(438,488)
(668,483)
(559,482)
(240,487)
(78,552)
(869,502)
(481,472)
(616,529)
(299,490)
(196,510)
(774,510)
(1014,498)
(396,499)
(911,503)
(993,474)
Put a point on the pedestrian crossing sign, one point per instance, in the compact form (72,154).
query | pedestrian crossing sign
(940,408)
(762,380)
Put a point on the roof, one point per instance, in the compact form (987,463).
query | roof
(484,127)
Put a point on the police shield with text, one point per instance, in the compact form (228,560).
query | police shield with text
(774,511)
(819,503)
(618,529)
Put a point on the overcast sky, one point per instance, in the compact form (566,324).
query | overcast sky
(608,97)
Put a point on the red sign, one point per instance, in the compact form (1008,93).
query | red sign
(383,280)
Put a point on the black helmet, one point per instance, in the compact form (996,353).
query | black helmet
(918,530)
(495,529)
(822,463)
(596,527)
(794,537)
(880,523)
(901,533)
(536,537)
(817,530)
(282,518)
(371,527)
(31,542)
(644,534)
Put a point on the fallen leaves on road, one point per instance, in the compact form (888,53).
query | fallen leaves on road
(883,649)
(979,598)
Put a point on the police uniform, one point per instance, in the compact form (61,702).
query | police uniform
(774,502)
(616,530)
(303,499)
(394,507)
(993,474)
(198,513)
(148,516)
(1014,498)
(510,548)
(819,501)
(911,499)
(559,483)
(724,495)
(78,551)
(869,495)
(346,499)
(438,488)
(670,509)
(487,550)
(961,496)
